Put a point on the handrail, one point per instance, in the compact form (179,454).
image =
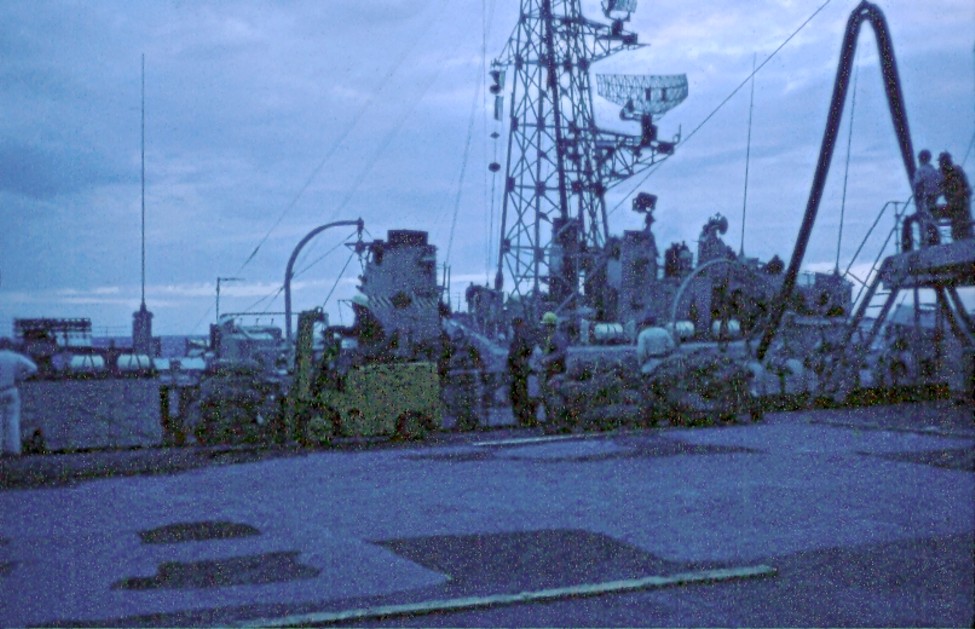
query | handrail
(870,231)
(883,247)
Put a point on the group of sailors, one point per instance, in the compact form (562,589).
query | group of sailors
(930,184)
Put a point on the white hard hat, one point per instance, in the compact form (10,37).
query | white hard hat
(360,300)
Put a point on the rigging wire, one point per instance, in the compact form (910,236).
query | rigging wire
(971,142)
(268,298)
(748,154)
(400,60)
(463,171)
(421,36)
(707,118)
(846,172)
(202,318)
(487,17)
(388,138)
(968,151)
(489,258)
(272,296)
(324,255)
(358,181)
(253,306)
(338,279)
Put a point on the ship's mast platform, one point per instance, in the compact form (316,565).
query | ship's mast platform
(951,264)
(943,268)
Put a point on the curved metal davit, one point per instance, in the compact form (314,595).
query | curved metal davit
(895,102)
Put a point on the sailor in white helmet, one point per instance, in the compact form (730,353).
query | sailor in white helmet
(14,368)
(554,346)
(653,344)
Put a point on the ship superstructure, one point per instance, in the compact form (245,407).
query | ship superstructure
(560,164)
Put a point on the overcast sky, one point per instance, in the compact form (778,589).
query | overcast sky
(264,120)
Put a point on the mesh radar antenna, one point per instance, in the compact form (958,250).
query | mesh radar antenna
(559,164)
(642,94)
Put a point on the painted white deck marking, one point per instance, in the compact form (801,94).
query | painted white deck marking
(528,440)
(497,600)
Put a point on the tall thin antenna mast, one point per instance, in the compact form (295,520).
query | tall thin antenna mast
(142,341)
(748,154)
(143,180)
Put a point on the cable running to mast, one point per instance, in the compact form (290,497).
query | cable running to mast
(846,172)
(707,118)
(748,154)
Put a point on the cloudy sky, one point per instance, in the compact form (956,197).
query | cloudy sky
(264,120)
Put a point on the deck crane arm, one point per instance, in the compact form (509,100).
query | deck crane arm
(895,102)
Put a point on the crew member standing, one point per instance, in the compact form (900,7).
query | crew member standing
(927,183)
(555,343)
(14,368)
(958,197)
(519,368)
(927,187)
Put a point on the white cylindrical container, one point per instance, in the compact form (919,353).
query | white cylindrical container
(732,331)
(683,329)
(133,362)
(608,332)
(86,363)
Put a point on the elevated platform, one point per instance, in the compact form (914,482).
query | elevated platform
(951,264)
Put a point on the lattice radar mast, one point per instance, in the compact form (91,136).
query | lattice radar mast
(559,164)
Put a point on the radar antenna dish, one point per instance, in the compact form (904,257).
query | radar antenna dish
(641,94)
(618,6)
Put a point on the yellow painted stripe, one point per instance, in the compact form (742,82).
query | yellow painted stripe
(497,600)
